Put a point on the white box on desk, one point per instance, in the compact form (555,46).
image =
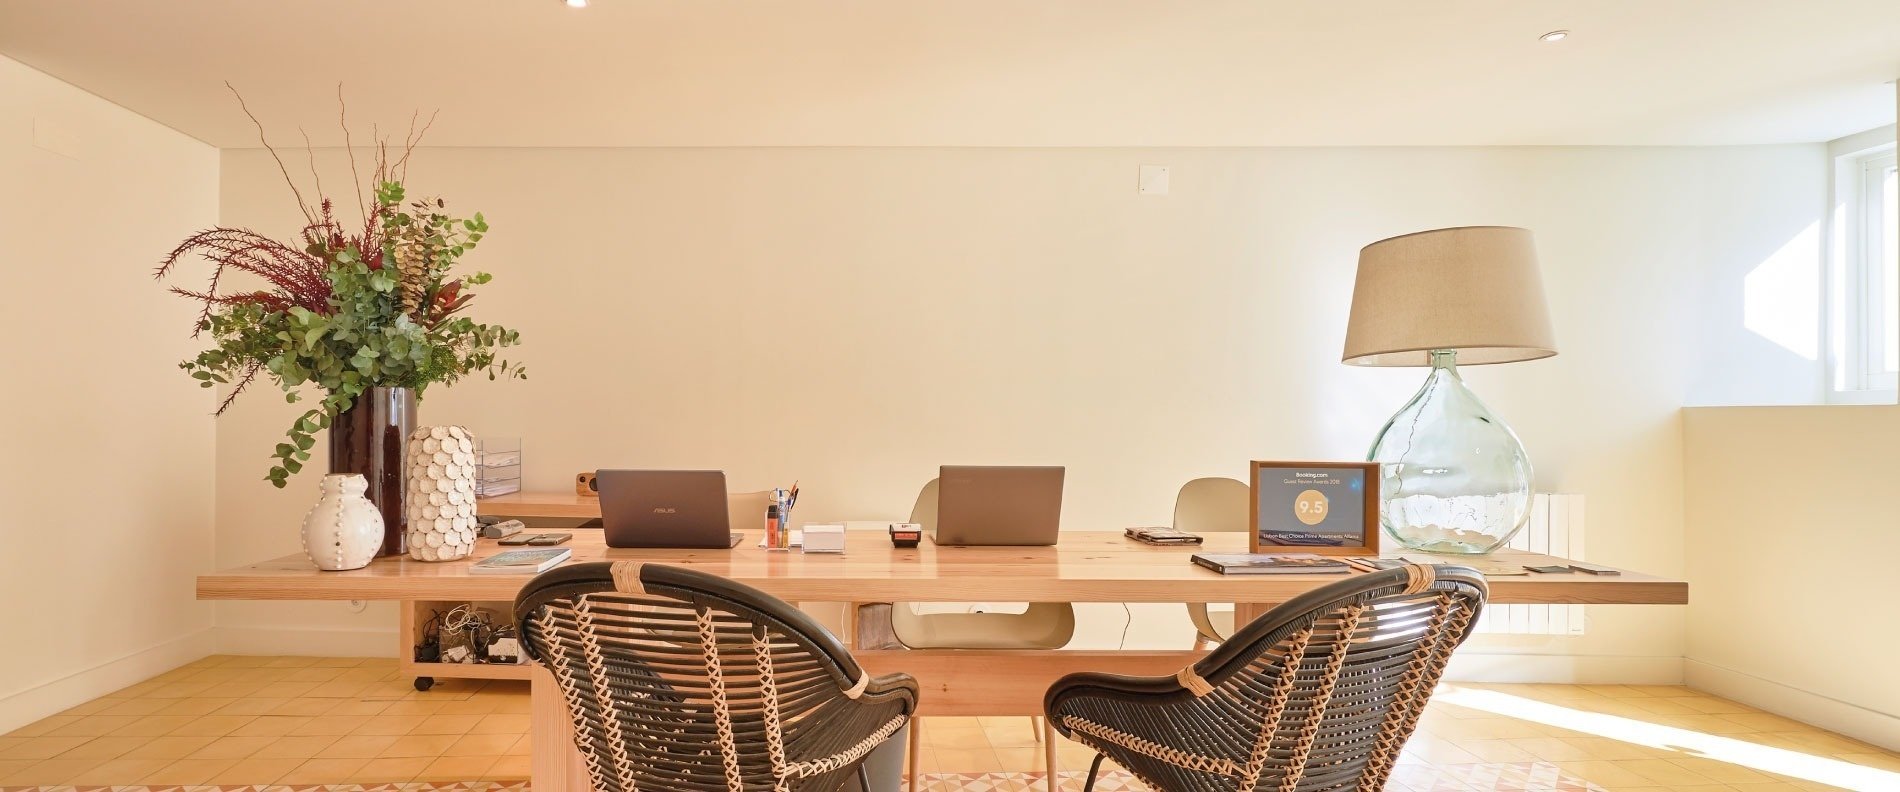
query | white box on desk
(823,538)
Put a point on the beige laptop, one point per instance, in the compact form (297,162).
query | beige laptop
(998,506)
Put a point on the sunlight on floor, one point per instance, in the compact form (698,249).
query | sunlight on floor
(1768,759)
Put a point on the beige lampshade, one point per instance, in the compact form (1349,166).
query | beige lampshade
(1474,289)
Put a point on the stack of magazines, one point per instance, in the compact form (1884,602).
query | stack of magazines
(1271,563)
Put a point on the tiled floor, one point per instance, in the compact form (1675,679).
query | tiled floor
(303,720)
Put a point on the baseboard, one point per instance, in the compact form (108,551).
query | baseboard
(50,698)
(1841,717)
(306,641)
(1470,666)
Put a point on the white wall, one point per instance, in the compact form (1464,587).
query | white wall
(107,473)
(1791,533)
(854,317)
(1761,299)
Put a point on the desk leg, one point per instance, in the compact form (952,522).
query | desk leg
(1246,612)
(1049,738)
(555,764)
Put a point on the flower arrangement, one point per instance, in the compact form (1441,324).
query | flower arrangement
(344,310)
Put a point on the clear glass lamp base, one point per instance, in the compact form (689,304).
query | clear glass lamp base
(1452,477)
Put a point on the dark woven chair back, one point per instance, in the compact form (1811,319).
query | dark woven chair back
(678,680)
(1318,694)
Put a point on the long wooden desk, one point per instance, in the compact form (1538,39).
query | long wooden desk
(1085,567)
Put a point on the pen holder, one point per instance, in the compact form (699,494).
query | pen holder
(778,521)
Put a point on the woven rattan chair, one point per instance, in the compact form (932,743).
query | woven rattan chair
(678,680)
(1318,694)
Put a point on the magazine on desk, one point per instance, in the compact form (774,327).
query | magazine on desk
(521,562)
(1270,563)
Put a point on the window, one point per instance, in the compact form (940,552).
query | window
(1866,294)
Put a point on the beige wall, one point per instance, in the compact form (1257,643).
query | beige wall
(1792,533)
(108,465)
(852,318)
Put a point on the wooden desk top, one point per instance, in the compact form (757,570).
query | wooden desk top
(540,504)
(1085,567)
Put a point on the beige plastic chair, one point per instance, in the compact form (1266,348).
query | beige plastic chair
(1044,625)
(745,511)
(1211,505)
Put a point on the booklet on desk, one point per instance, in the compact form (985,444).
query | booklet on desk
(1270,563)
(521,562)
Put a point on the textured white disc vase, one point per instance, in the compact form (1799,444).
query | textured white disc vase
(343,529)
(441,498)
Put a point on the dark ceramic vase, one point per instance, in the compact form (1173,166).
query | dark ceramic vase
(368,440)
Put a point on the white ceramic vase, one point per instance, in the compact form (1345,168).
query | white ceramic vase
(343,529)
(441,500)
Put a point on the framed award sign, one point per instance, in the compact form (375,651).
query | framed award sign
(1315,507)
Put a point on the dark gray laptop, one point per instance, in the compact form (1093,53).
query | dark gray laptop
(665,508)
(998,506)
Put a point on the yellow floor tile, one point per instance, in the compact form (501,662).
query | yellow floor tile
(103,748)
(501,723)
(456,768)
(193,706)
(214,725)
(358,746)
(155,725)
(44,726)
(171,746)
(1884,760)
(232,748)
(50,772)
(335,725)
(186,772)
(391,768)
(94,707)
(42,748)
(138,706)
(508,768)
(271,726)
(322,771)
(254,771)
(360,707)
(420,745)
(446,724)
(1664,772)
(1720,772)
(307,747)
(1496,751)
(1606,773)
(490,745)
(305,707)
(387,724)
(414,707)
(250,706)
(117,771)
(94,726)
(475,705)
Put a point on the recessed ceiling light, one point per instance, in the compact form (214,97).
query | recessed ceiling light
(576,3)
(1555,35)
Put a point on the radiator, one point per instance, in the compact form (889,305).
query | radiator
(1555,528)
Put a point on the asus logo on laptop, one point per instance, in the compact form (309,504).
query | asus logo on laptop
(665,510)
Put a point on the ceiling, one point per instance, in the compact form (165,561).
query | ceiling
(984,72)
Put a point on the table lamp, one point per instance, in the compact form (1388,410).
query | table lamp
(1453,477)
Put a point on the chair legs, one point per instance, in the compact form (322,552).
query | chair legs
(864,779)
(1049,753)
(1088,784)
(912,761)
